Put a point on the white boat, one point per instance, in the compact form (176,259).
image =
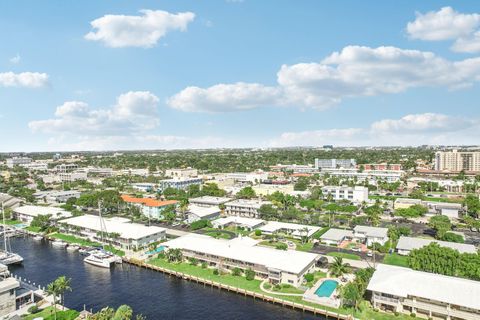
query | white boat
(73,248)
(100,259)
(8,257)
(59,244)
(38,238)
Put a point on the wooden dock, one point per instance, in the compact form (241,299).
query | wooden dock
(255,295)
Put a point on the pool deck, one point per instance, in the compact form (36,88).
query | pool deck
(331,301)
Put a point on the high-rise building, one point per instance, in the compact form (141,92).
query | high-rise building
(335,163)
(457,161)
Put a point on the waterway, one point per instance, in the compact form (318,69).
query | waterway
(151,293)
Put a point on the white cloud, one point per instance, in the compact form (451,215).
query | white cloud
(145,30)
(23,79)
(134,112)
(413,129)
(442,25)
(354,71)
(470,44)
(16,59)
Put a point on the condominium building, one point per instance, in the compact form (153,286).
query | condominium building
(293,229)
(209,201)
(244,208)
(8,288)
(457,161)
(372,176)
(17,161)
(427,295)
(56,196)
(334,163)
(196,213)
(356,194)
(151,208)
(381,166)
(181,173)
(277,266)
(26,214)
(179,183)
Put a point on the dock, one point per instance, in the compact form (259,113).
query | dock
(255,295)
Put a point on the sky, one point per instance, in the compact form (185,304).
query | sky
(126,75)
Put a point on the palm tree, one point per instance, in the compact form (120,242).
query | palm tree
(64,284)
(57,288)
(338,268)
(123,312)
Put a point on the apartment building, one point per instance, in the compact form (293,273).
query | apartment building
(457,161)
(381,166)
(18,161)
(406,244)
(244,208)
(179,183)
(363,234)
(334,163)
(427,295)
(151,208)
(181,173)
(209,201)
(27,213)
(372,176)
(356,194)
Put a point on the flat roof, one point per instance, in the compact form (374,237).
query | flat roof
(372,231)
(249,222)
(203,211)
(336,234)
(210,200)
(149,202)
(247,203)
(122,226)
(289,261)
(273,226)
(409,243)
(404,282)
(35,211)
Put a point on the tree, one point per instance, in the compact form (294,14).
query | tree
(472,204)
(435,259)
(337,268)
(414,211)
(123,312)
(441,224)
(351,295)
(301,184)
(249,274)
(373,214)
(416,194)
(453,237)
(42,222)
(212,189)
(56,289)
(246,193)
(174,255)
(268,212)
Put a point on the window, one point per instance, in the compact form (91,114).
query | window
(290,281)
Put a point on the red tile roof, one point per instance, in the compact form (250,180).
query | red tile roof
(149,202)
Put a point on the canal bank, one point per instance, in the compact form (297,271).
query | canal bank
(149,292)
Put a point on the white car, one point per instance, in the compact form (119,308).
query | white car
(356,249)
(370,254)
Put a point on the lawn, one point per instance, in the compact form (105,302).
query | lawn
(114,250)
(217,235)
(286,288)
(47,314)
(72,239)
(33,229)
(12,222)
(303,246)
(344,255)
(317,276)
(396,260)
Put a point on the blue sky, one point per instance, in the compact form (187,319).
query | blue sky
(94,75)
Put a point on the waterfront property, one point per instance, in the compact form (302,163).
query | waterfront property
(196,213)
(406,244)
(241,222)
(151,208)
(277,266)
(244,208)
(8,287)
(292,229)
(427,295)
(209,201)
(119,231)
(324,292)
(363,234)
(27,213)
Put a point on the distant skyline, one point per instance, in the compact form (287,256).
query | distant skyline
(171,75)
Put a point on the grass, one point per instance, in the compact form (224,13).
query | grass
(47,314)
(396,260)
(317,276)
(12,222)
(217,235)
(33,229)
(344,255)
(286,288)
(114,250)
(303,246)
(73,239)
(448,200)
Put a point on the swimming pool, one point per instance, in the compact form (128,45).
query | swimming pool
(326,288)
(157,250)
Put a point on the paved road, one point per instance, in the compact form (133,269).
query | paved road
(324,250)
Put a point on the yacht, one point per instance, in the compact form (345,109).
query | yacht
(38,238)
(8,257)
(59,244)
(73,248)
(100,258)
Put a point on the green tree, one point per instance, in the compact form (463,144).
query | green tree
(337,268)
(246,193)
(472,204)
(441,224)
(56,289)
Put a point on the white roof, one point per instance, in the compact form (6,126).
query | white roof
(289,261)
(122,226)
(297,229)
(404,282)
(34,211)
(371,231)
(247,203)
(409,243)
(203,211)
(210,200)
(336,234)
(248,222)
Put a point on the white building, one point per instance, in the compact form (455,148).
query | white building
(179,183)
(278,266)
(241,222)
(196,213)
(181,173)
(143,186)
(357,194)
(406,244)
(372,176)
(56,196)
(334,163)
(293,229)
(8,288)
(130,235)
(335,236)
(244,208)
(364,234)
(457,161)
(208,201)
(36,166)
(250,177)
(427,295)
(18,161)
(27,213)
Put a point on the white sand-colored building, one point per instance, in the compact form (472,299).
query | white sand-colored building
(27,213)
(363,234)
(427,295)
(242,222)
(407,244)
(209,201)
(244,207)
(293,229)
(277,266)
(196,213)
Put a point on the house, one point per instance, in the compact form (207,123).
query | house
(276,266)
(427,295)
(27,213)
(357,194)
(151,208)
(196,213)
(208,201)
(451,210)
(335,236)
(406,244)
(370,235)
(244,208)
(292,229)
(405,203)
(241,222)
(130,235)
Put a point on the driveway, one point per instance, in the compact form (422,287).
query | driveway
(324,250)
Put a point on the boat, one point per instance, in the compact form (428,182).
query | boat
(59,244)
(73,248)
(100,259)
(38,238)
(8,257)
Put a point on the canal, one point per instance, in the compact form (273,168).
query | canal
(153,294)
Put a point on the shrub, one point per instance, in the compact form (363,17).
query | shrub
(161,255)
(216,272)
(204,265)
(258,233)
(413,314)
(199,224)
(193,261)
(249,274)
(281,246)
(309,277)
(277,287)
(236,271)
(33,309)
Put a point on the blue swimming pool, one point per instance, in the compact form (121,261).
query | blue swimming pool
(326,288)
(157,250)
